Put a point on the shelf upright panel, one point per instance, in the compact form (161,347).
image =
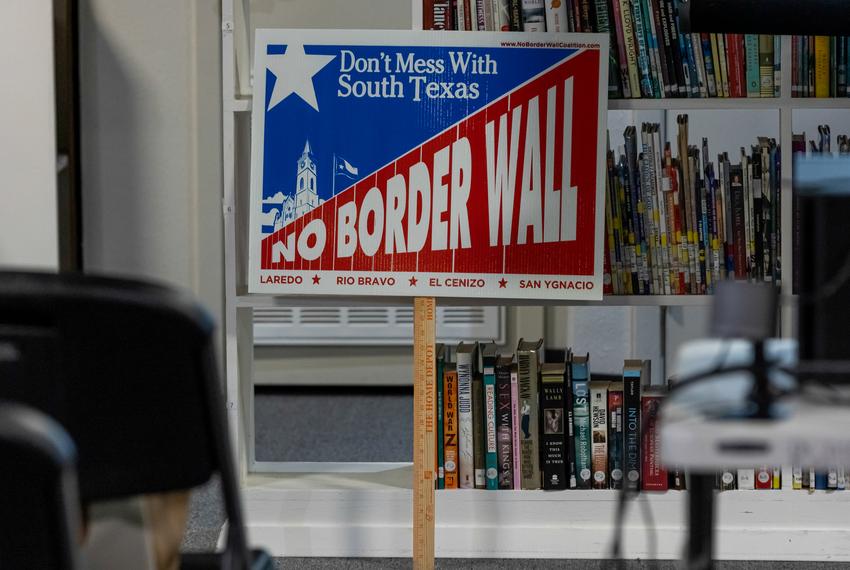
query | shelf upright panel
(786,253)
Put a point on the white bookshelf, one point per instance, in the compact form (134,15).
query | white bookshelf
(364,509)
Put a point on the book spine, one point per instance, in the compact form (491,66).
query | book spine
(481,16)
(569,429)
(504,428)
(466,441)
(585,16)
(698,63)
(529,428)
(746,479)
(615,439)
(621,49)
(777,65)
(665,48)
(653,475)
(450,436)
(763,477)
(733,65)
(599,436)
(515,429)
(739,233)
(842,66)
(766,65)
(726,480)
(552,446)
(440,411)
(751,47)
(661,87)
(710,76)
(642,51)
(516,15)
(556,16)
(630,47)
(581,426)
(502,18)
(671,37)
(603,25)
(479,439)
(533,16)
(723,57)
(491,460)
(631,429)
(821,66)
(797,477)
(436,15)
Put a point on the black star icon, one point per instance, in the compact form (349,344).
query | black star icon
(412,281)
(503,283)
(316,279)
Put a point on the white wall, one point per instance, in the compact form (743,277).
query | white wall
(28,216)
(150,90)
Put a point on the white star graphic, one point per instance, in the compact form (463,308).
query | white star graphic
(294,71)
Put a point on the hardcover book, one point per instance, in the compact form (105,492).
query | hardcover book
(746,479)
(515,428)
(466,361)
(633,372)
(572,474)
(479,443)
(488,367)
(440,350)
(552,408)
(615,435)
(450,424)
(599,433)
(581,419)
(653,475)
(528,364)
(504,422)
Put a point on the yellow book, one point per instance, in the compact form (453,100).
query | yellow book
(821,66)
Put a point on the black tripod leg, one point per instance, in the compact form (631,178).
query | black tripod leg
(701,518)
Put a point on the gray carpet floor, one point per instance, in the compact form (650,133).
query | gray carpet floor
(353,426)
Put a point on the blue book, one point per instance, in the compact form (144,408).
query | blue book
(581,420)
(643,54)
(633,372)
(710,78)
(491,462)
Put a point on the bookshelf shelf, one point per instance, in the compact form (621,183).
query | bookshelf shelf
(259,300)
(357,514)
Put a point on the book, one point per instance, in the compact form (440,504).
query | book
(766,65)
(450,422)
(569,427)
(599,433)
(615,435)
(822,68)
(634,371)
(479,439)
(763,475)
(504,422)
(746,478)
(515,428)
(751,48)
(440,350)
(653,474)
(581,420)
(466,360)
(533,16)
(437,15)
(488,356)
(528,364)
(556,16)
(553,444)
(726,480)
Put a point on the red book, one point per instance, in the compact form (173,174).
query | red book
(653,475)
(764,478)
(731,63)
(437,15)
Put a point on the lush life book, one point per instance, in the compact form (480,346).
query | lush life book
(581,419)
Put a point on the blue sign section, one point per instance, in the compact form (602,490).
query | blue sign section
(335,113)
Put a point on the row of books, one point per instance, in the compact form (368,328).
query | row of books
(649,56)
(509,421)
(823,145)
(835,478)
(763,477)
(819,66)
(680,225)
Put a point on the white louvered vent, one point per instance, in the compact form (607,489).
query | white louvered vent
(371,325)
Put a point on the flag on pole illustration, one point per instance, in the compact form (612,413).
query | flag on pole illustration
(345,168)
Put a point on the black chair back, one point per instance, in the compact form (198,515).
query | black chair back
(39,506)
(129,369)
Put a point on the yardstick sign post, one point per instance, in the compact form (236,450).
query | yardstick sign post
(428,164)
